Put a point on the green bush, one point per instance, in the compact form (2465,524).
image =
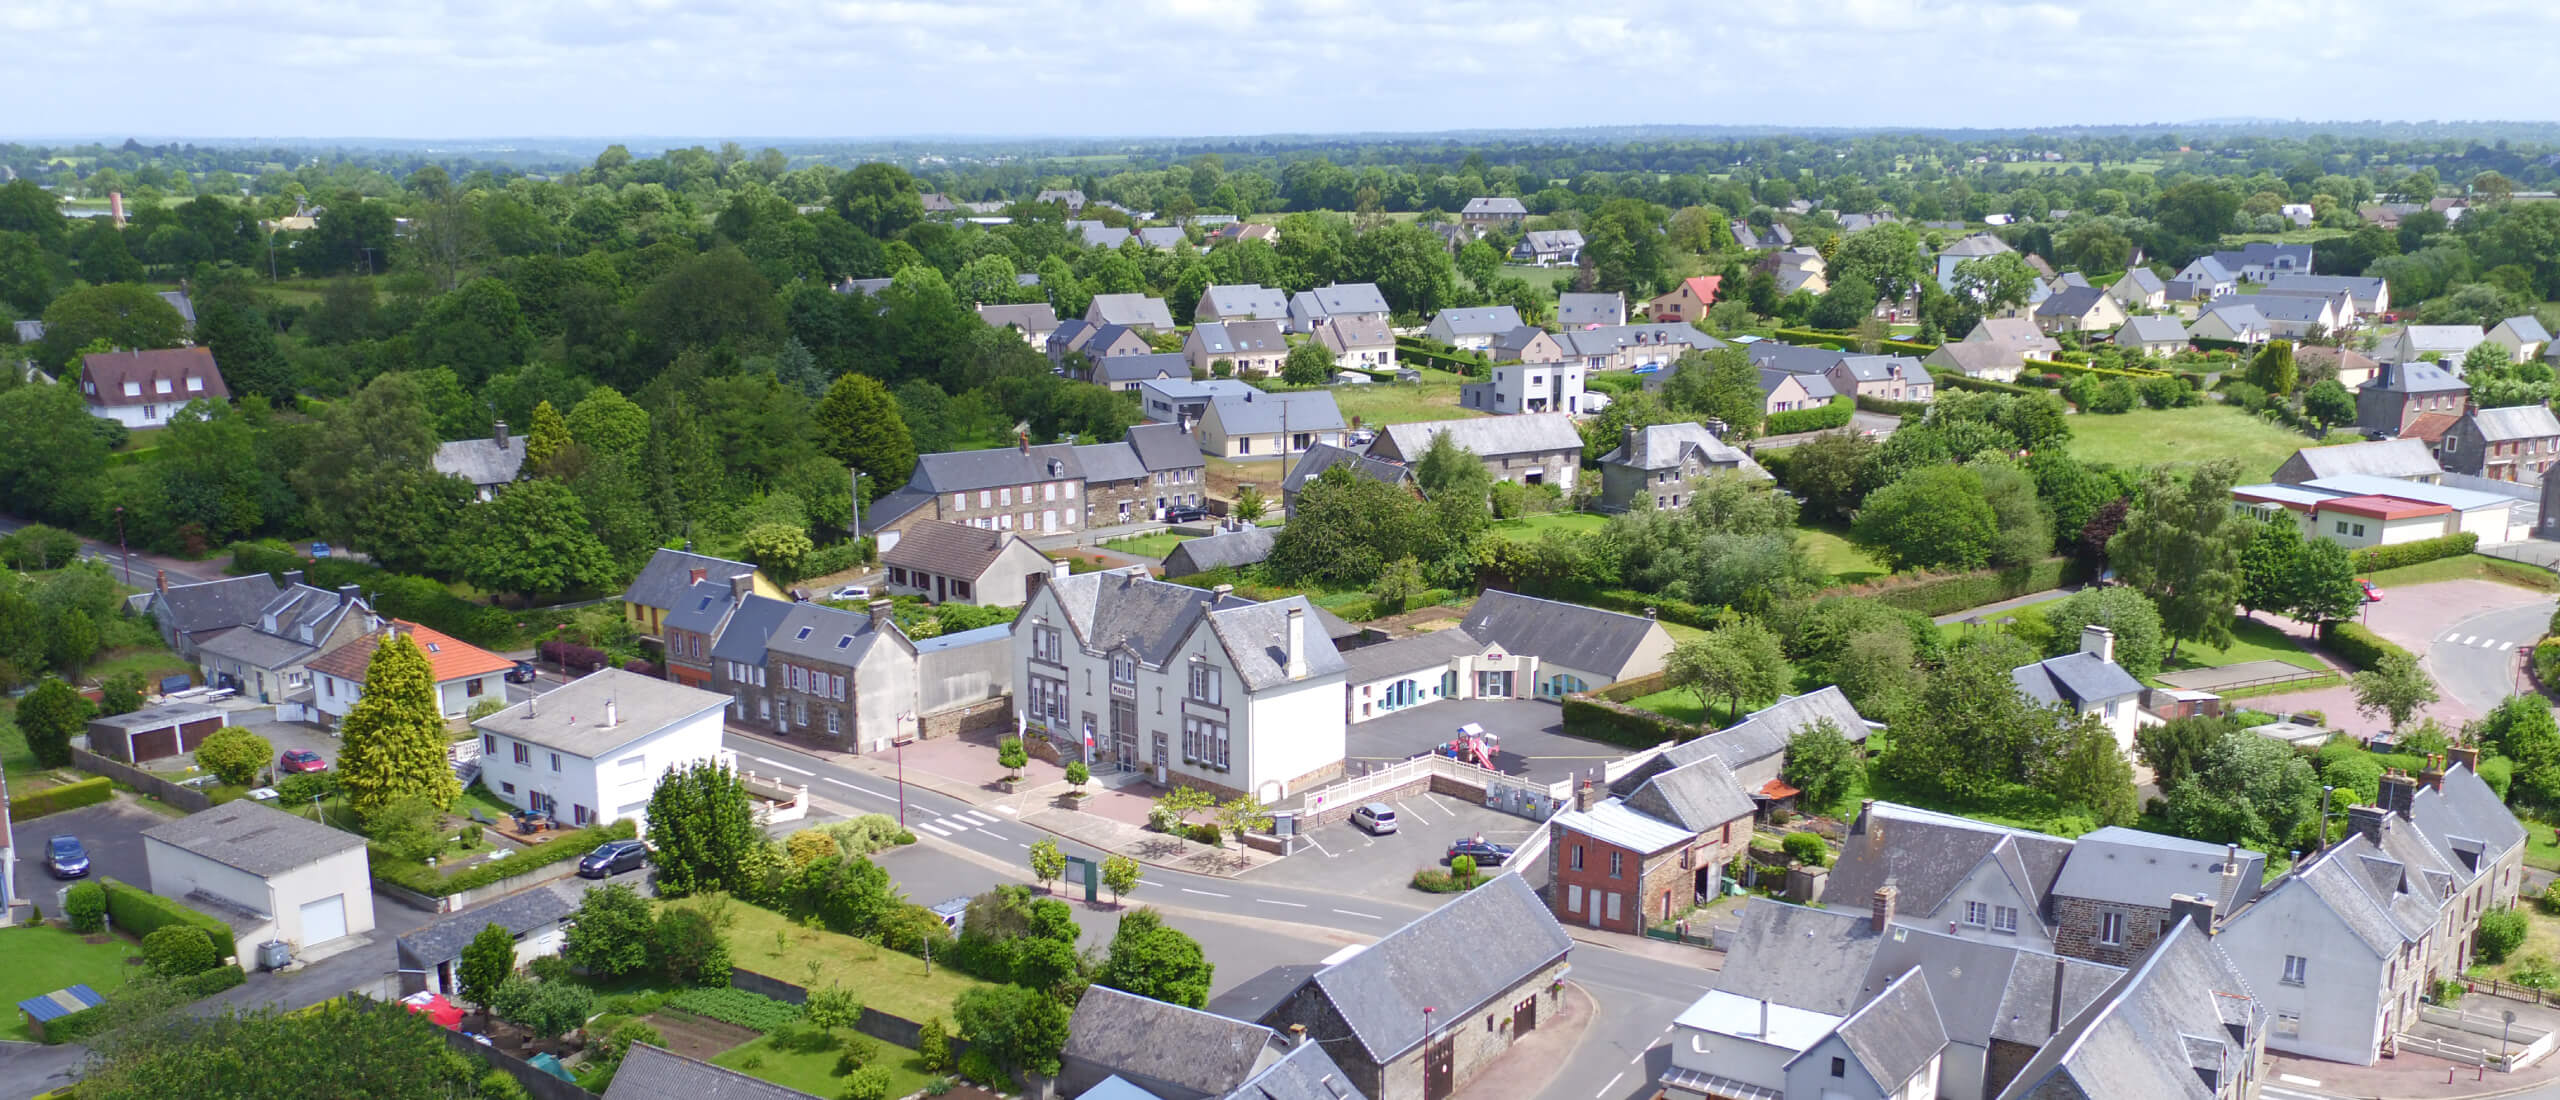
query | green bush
(1833,415)
(1948,593)
(2355,645)
(141,913)
(69,796)
(425,880)
(178,951)
(2546,661)
(2374,559)
(1807,849)
(2502,930)
(78,1025)
(210,982)
(86,907)
(1432,880)
(234,754)
(867,1083)
(732,1005)
(1619,724)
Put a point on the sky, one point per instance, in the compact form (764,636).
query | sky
(428,69)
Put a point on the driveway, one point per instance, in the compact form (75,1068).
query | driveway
(1343,858)
(1534,744)
(112,831)
(2469,634)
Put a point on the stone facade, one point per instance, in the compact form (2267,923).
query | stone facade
(2001,1064)
(1111,503)
(1646,888)
(1474,1036)
(2079,921)
(996,713)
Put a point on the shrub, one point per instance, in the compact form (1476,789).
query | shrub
(867,1083)
(574,657)
(304,788)
(1807,849)
(234,755)
(977,1066)
(2502,930)
(857,1051)
(2355,645)
(2374,559)
(178,951)
(2534,972)
(426,880)
(1204,834)
(1619,724)
(1946,593)
(833,1007)
(688,950)
(1834,415)
(86,907)
(69,796)
(933,1046)
(1432,880)
(142,913)
(2446,991)
(732,1005)
(206,984)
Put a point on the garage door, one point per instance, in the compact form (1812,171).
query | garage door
(155,744)
(323,920)
(193,733)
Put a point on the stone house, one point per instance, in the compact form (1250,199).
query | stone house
(667,582)
(268,658)
(2514,443)
(1325,456)
(187,614)
(1531,448)
(1492,212)
(2114,897)
(2403,393)
(842,678)
(1423,1012)
(1622,864)
(1663,462)
(955,563)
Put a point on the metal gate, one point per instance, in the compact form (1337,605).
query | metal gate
(1439,1067)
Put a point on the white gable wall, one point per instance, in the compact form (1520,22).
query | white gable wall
(2338,1003)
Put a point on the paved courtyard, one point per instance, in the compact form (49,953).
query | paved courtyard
(1343,858)
(1534,744)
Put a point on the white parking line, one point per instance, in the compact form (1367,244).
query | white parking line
(781,765)
(2466,639)
(1319,846)
(1008,811)
(1203,893)
(1613,1083)
(2292,1079)
(2448,637)
(934,831)
(1362,916)
(1416,817)
(1290,904)
(2505,646)
(1149,882)
(1026,847)
(1435,800)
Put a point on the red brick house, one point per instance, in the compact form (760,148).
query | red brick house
(1621,863)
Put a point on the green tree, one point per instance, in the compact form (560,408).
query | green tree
(2394,687)
(234,755)
(1151,959)
(1968,731)
(532,540)
(2328,402)
(487,961)
(1011,756)
(686,948)
(120,315)
(703,829)
(1021,1030)
(2272,368)
(1936,517)
(1345,531)
(1740,662)
(1718,385)
(880,199)
(609,935)
(2176,748)
(552,1009)
(610,427)
(2180,544)
(334,1049)
(1462,870)
(857,424)
(1820,763)
(1119,875)
(2084,769)
(1048,864)
(49,717)
(2245,789)
(1249,506)
(393,741)
(1992,284)
(2126,613)
(1307,364)
(2268,561)
(547,436)
(2324,586)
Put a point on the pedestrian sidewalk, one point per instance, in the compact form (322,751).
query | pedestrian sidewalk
(1172,853)
(1661,951)
(1533,1060)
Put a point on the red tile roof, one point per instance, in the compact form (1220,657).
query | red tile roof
(449,658)
(2429,427)
(2381,507)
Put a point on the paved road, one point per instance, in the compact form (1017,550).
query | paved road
(180,572)
(2475,660)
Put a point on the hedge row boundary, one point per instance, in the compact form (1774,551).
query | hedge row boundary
(425,881)
(69,796)
(2374,559)
(2357,646)
(142,912)
(1945,594)
(1619,724)
(1834,415)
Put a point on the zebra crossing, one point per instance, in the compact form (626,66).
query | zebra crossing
(2457,637)
(960,822)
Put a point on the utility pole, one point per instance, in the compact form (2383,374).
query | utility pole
(857,502)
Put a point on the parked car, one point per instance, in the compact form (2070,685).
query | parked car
(1374,818)
(66,858)
(1485,852)
(524,673)
(613,858)
(851,592)
(298,761)
(319,551)
(2371,593)
(1185,515)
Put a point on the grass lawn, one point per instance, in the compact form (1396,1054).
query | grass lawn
(1399,403)
(1679,703)
(2251,640)
(153,663)
(1149,546)
(769,943)
(1552,278)
(1832,553)
(2467,567)
(2145,437)
(1529,528)
(38,960)
(815,1073)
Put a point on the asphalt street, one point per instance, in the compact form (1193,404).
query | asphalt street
(2476,661)
(143,564)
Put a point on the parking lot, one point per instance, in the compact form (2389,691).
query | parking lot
(1534,744)
(111,831)
(1340,857)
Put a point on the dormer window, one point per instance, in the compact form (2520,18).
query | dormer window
(306,632)
(195,384)
(267,623)
(160,385)
(133,389)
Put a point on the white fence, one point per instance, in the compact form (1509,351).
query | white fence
(2508,1047)
(1510,794)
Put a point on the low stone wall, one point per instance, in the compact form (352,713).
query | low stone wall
(897,1030)
(988,714)
(184,798)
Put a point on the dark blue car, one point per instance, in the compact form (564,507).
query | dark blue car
(66,858)
(613,858)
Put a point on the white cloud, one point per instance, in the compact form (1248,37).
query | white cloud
(850,68)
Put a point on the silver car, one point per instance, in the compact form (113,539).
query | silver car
(1374,818)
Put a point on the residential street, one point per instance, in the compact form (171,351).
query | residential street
(144,564)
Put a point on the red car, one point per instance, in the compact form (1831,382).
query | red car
(297,761)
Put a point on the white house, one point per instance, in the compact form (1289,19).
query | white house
(1340,301)
(269,874)
(142,389)
(591,752)
(2088,681)
(2238,322)
(1508,647)
(1472,327)
(1528,388)
(464,673)
(2522,336)
(1199,688)
(2448,343)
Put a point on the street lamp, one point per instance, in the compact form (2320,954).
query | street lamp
(2503,1032)
(900,741)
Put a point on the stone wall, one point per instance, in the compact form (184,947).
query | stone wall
(988,714)
(184,798)
(2076,926)
(1478,1037)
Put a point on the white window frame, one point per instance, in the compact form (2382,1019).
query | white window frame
(1977,914)
(2297,969)
(2111,929)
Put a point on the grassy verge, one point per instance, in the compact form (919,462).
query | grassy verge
(35,961)
(1399,403)
(2468,567)
(1148,546)
(1832,552)
(769,943)
(815,1072)
(2251,640)
(2148,437)
(1679,703)
(1528,528)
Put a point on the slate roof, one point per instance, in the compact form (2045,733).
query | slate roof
(2071,301)
(2147,280)
(894,505)
(2264,253)
(1248,300)
(1610,340)
(950,549)
(652,1073)
(2152,1033)
(958,471)
(871,287)
(2132,867)
(1550,240)
(1257,413)
(294,609)
(571,717)
(1430,650)
(1697,797)
(1342,334)
(743,637)
(108,371)
(1477,320)
(1977,246)
(1131,309)
(662,583)
(1138,368)
(2075,679)
(1593,309)
(2017,331)
(1895,1034)
(2365,289)
(1163,237)
(1490,436)
(1879,368)
(1663,446)
(1097,235)
(2393,458)
(1035,319)
(2238,317)
(1816,387)
(1982,357)
(481,461)
(1108,462)
(1141,1037)
(1800,957)
(834,635)
(1612,821)
(1305,1073)
(1763,733)
(521,914)
(1258,995)
(1926,855)
(2293,308)
(1497,205)
(1342,298)
(2527,328)
(2205,268)
(1325,456)
(1571,635)
(1222,338)
(2513,422)
(2449,339)
(216,604)
(1152,617)
(1241,547)
(1163,447)
(2415,378)
(1794,358)
(254,837)
(1455,958)
(2151,329)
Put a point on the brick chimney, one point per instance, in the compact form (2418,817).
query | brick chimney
(2433,777)
(697,576)
(1627,441)
(2098,641)
(2466,755)
(1585,795)
(498,434)
(2188,907)
(2368,821)
(162,581)
(742,586)
(2399,794)
(1880,908)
